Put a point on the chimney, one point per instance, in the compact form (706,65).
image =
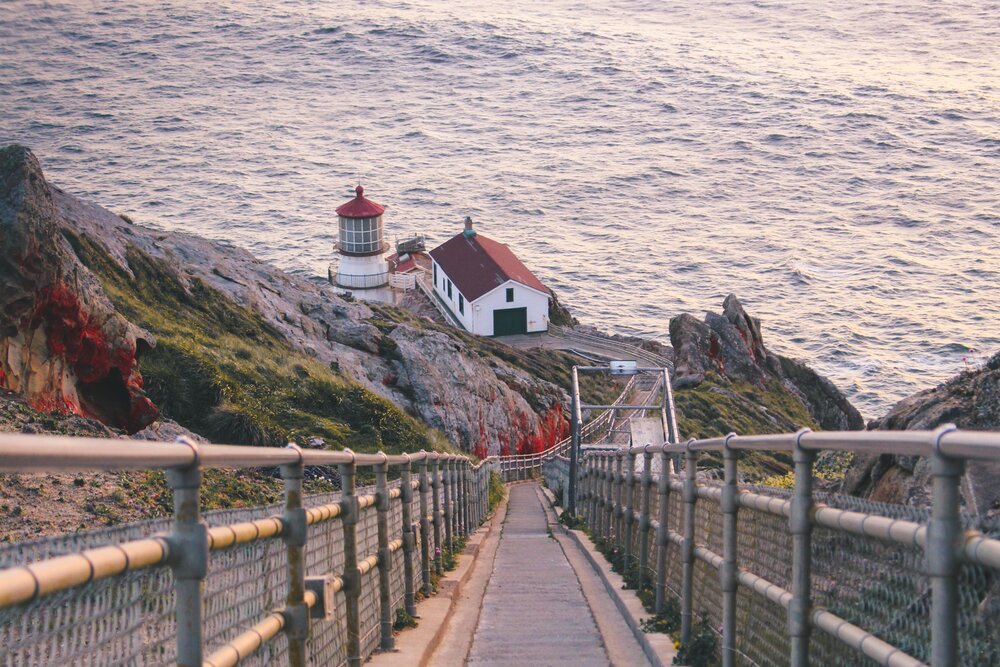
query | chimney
(469,231)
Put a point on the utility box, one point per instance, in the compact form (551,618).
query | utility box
(324,588)
(624,367)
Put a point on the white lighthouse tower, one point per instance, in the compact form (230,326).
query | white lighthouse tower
(361,245)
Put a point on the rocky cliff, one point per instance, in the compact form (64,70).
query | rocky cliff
(729,347)
(62,343)
(971,401)
(103,318)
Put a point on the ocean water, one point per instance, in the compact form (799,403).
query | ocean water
(834,164)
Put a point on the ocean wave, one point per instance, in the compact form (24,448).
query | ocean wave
(825,194)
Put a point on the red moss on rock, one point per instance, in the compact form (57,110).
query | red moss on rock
(72,334)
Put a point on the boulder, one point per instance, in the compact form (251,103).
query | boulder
(971,400)
(62,344)
(731,345)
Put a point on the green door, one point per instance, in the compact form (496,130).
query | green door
(510,321)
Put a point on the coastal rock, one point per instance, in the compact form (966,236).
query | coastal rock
(66,347)
(731,346)
(456,392)
(971,400)
(62,344)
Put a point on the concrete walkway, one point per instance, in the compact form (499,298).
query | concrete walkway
(534,611)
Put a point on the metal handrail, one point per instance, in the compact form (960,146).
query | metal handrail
(523,463)
(459,489)
(610,483)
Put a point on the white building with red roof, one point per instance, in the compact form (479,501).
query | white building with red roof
(361,245)
(487,288)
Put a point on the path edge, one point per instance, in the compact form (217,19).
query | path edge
(654,645)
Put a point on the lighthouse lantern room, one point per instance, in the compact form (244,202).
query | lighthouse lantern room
(361,245)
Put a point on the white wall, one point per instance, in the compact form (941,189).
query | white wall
(478,316)
(536,303)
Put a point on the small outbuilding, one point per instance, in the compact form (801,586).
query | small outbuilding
(487,288)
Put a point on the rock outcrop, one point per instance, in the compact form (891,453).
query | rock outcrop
(84,294)
(971,401)
(62,343)
(730,346)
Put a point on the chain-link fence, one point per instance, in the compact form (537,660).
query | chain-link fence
(870,573)
(129,618)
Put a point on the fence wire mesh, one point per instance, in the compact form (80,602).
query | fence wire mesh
(877,585)
(128,620)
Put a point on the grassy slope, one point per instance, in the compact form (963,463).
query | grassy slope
(32,505)
(717,407)
(221,371)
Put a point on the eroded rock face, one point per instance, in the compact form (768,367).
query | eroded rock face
(62,344)
(730,344)
(65,347)
(970,401)
(456,392)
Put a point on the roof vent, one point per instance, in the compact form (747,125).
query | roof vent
(469,231)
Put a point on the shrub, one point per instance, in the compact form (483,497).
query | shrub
(496,490)
(702,650)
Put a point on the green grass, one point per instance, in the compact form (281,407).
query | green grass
(715,408)
(495,491)
(220,370)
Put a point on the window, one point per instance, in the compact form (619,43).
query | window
(361,235)
(461,303)
(449,289)
(510,295)
(435,274)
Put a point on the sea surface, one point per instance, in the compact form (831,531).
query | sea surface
(837,165)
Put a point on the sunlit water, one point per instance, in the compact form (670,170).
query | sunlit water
(835,164)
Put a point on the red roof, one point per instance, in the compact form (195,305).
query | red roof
(360,207)
(477,265)
(402,267)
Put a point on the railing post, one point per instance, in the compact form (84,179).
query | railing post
(456,501)
(436,485)
(189,559)
(609,495)
(687,552)
(619,489)
(662,530)
(799,626)
(647,462)
(629,511)
(409,539)
(594,493)
(574,450)
(295,533)
(352,576)
(446,480)
(384,554)
(943,536)
(469,498)
(425,525)
(727,574)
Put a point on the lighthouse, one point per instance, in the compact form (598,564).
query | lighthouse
(361,245)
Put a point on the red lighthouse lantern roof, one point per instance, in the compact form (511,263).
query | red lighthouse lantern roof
(360,207)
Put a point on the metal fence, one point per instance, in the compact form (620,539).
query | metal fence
(315,580)
(793,576)
(515,467)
